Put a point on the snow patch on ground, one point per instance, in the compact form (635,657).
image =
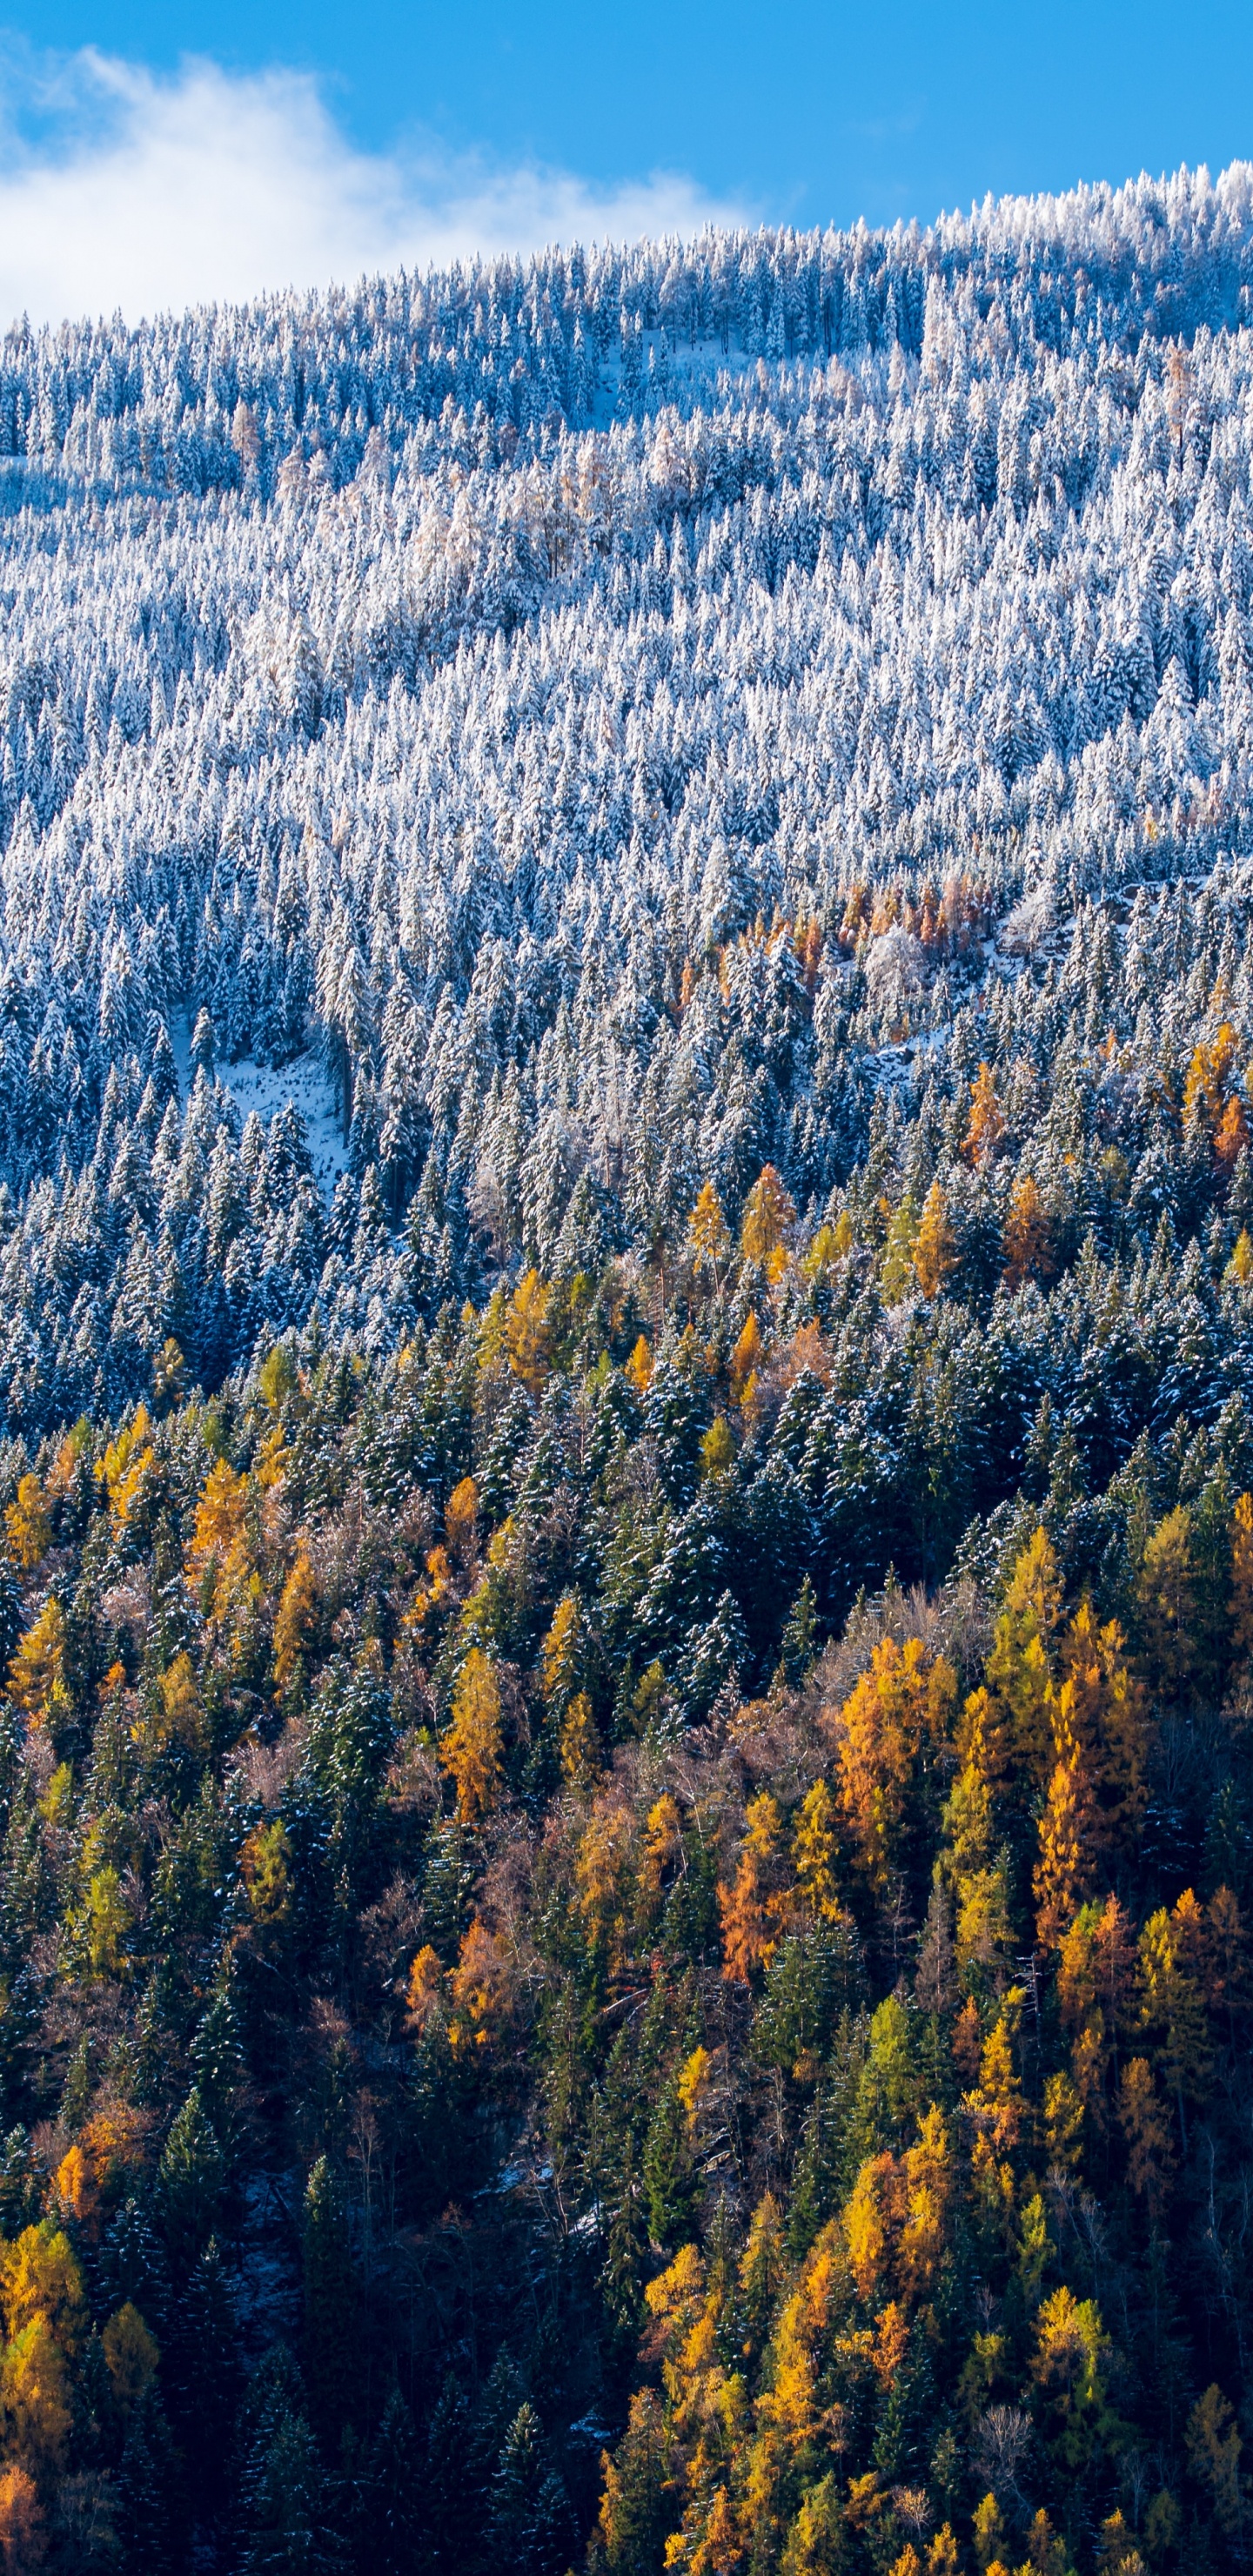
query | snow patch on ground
(267,1089)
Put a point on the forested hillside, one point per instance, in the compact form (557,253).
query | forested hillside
(626,1359)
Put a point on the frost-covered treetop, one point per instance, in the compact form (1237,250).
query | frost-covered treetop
(590,725)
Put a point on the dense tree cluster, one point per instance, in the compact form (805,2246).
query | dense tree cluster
(537,757)
(527,2029)
(626,1841)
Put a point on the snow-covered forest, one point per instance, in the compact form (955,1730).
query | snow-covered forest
(626,1413)
(588,720)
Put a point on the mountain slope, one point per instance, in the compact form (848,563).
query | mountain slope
(626,1349)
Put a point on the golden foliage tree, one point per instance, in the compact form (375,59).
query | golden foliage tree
(639,1367)
(471,1748)
(528,1331)
(708,1232)
(219,1561)
(481,1988)
(985,1129)
(296,1620)
(898,1707)
(562,1653)
(815,1854)
(769,1216)
(1064,1868)
(1019,1668)
(23,2532)
(37,1669)
(131,2356)
(265,1866)
(1214,2448)
(1242,1576)
(1142,2118)
(754,1907)
(1028,1242)
(461,1519)
(1205,1084)
(935,1253)
(126,1466)
(1067,2365)
(580,1743)
(746,1356)
(28,1524)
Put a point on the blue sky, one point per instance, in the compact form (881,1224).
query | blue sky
(515,119)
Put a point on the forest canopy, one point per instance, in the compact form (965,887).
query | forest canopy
(626,1412)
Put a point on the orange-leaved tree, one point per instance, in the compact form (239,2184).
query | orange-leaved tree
(985,1128)
(471,1747)
(756,1905)
(898,1709)
(219,1558)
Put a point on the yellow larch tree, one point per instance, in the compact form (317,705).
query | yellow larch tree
(708,1232)
(471,1748)
(1205,1084)
(1106,1713)
(179,1719)
(37,1669)
(23,2531)
(296,1619)
(935,1252)
(746,1356)
(994,2107)
(481,1987)
(1145,2125)
(1063,1870)
(29,1525)
(219,1559)
(126,1466)
(971,1861)
(1096,1994)
(461,1520)
(601,1869)
(1019,1670)
(1231,1135)
(528,1332)
(1028,1243)
(265,1867)
(815,1854)
(131,2354)
(662,1845)
(1242,1576)
(1170,1970)
(1214,2448)
(895,2219)
(638,1370)
(901,1705)
(561,1655)
(580,1743)
(897,1276)
(790,2422)
(769,1216)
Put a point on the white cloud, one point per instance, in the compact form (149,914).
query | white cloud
(150,194)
